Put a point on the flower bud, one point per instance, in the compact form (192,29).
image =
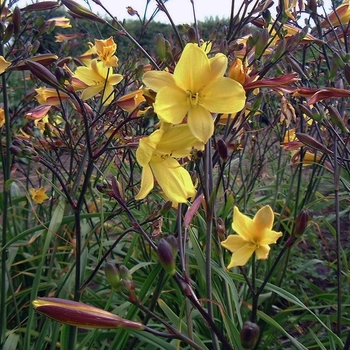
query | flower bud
(337,119)
(41,6)
(161,47)
(261,44)
(280,50)
(313,143)
(125,272)
(166,256)
(347,72)
(81,11)
(192,35)
(221,229)
(302,221)
(16,20)
(82,315)
(222,149)
(249,334)
(42,73)
(113,276)
(8,33)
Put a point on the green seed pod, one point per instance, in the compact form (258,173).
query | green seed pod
(113,276)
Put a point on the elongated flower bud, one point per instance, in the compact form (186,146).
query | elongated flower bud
(81,11)
(81,315)
(222,149)
(166,256)
(301,223)
(337,119)
(249,334)
(313,143)
(42,73)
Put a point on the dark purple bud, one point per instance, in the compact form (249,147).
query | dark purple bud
(249,334)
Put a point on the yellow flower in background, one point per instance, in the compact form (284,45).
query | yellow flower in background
(2,117)
(156,156)
(62,22)
(38,196)
(3,64)
(253,236)
(98,79)
(196,89)
(49,96)
(105,50)
(340,16)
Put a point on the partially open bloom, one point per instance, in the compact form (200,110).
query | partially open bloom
(156,155)
(82,315)
(98,78)
(62,22)
(130,101)
(253,236)
(196,89)
(49,96)
(105,50)
(38,196)
(3,64)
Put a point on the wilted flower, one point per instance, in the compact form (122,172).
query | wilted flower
(38,196)
(60,38)
(196,89)
(340,16)
(254,236)
(156,155)
(130,101)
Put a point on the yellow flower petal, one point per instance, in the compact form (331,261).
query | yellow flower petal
(233,243)
(242,255)
(242,224)
(157,80)
(147,182)
(174,180)
(3,64)
(171,104)
(264,218)
(201,123)
(262,252)
(223,95)
(218,65)
(192,72)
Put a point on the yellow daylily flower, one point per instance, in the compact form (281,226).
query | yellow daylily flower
(254,236)
(38,196)
(3,64)
(156,156)
(196,89)
(2,117)
(106,50)
(98,78)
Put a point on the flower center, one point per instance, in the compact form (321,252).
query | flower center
(193,98)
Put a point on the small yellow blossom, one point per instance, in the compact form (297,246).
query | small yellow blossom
(38,196)
(196,89)
(253,236)
(98,79)
(62,22)
(105,50)
(3,64)
(2,117)
(156,156)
